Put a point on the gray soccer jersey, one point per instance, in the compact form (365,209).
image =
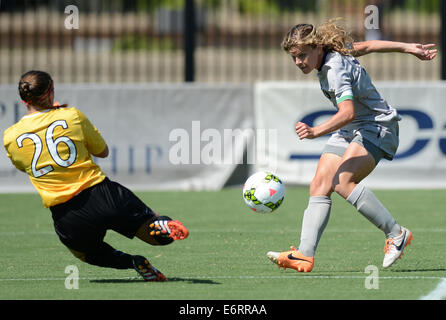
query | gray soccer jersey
(341,78)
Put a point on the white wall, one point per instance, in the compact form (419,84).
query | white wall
(192,136)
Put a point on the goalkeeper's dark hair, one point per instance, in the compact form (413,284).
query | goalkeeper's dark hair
(34,86)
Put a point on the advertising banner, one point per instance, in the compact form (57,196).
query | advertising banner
(193,136)
(161,137)
(421,158)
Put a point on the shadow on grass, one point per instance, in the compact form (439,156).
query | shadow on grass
(334,273)
(133,280)
(419,270)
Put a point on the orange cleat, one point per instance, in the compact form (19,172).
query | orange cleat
(168,228)
(293,259)
(146,270)
(177,230)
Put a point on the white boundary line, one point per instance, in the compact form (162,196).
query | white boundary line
(303,277)
(52,232)
(438,293)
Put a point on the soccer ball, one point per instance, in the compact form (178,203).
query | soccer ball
(263,192)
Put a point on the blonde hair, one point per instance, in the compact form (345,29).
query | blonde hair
(329,35)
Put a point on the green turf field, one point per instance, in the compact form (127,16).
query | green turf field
(224,256)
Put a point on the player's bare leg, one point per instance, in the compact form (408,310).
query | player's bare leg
(80,255)
(356,164)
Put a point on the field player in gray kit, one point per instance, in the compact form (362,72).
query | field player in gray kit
(365,130)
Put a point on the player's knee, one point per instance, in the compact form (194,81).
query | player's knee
(338,188)
(342,188)
(320,186)
(80,255)
(337,185)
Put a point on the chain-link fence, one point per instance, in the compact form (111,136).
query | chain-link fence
(234,40)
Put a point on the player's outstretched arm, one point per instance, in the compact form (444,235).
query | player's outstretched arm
(421,51)
(103,154)
(344,116)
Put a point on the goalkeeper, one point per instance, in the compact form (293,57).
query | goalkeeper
(54,145)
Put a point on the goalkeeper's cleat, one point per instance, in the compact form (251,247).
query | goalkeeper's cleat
(146,270)
(165,227)
(394,247)
(177,230)
(293,259)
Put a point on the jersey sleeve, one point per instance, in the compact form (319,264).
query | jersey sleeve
(340,81)
(7,142)
(93,140)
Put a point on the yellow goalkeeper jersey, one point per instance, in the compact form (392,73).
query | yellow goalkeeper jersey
(54,148)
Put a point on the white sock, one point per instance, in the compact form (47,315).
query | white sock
(370,207)
(314,222)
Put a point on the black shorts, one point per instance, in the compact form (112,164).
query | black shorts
(82,222)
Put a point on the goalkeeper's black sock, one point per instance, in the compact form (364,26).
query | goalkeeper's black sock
(108,257)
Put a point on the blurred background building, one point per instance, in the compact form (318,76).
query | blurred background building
(207,41)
